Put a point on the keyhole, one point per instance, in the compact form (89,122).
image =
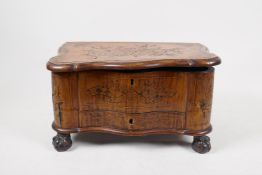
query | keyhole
(131,121)
(132,82)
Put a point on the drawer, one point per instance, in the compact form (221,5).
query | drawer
(132,92)
(133,122)
(132,100)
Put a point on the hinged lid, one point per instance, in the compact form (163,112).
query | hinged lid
(79,56)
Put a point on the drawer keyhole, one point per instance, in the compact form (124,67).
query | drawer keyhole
(132,82)
(131,121)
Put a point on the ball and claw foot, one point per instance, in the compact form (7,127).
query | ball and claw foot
(62,142)
(201,144)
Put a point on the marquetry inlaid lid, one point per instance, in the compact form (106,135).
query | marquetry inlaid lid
(79,56)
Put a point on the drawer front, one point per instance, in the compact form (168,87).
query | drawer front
(132,101)
(133,122)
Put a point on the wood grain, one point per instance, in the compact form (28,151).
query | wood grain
(151,99)
(199,100)
(65,99)
(132,133)
(80,56)
(133,89)
(174,100)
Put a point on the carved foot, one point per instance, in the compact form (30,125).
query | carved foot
(201,144)
(62,142)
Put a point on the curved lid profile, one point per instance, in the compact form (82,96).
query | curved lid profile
(80,56)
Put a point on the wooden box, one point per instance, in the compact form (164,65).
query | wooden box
(133,89)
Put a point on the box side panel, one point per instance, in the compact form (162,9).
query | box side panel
(65,99)
(199,99)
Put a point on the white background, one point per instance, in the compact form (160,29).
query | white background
(31,32)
